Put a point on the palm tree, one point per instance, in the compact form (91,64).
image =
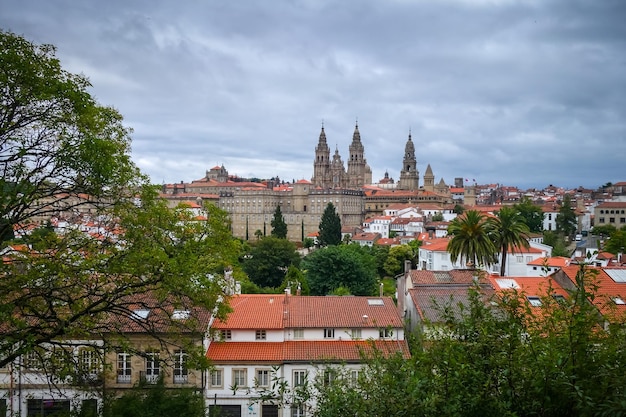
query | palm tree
(471,240)
(508,231)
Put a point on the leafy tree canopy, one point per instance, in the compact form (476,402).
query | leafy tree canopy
(62,152)
(347,266)
(268,261)
(531,213)
(471,241)
(566,221)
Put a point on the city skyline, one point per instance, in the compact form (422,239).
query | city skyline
(523,94)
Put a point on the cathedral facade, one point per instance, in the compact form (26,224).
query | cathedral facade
(332,174)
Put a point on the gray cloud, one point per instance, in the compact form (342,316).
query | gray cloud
(521,93)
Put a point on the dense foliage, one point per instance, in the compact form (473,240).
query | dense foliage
(156,400)
(61,152)
(508,232)
(503,357)
(566,221)
(268,260)
(348,266)
(532,214)
(471,241)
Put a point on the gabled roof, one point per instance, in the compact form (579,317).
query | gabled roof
(554,261)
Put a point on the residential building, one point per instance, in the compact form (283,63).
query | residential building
(610,213)
(293,339)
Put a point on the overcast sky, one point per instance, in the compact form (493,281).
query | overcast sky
(525,93)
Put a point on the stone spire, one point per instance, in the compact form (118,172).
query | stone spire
(429,179)
(409,176)
(357,165)
(321,165)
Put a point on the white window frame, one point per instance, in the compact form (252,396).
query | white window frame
(300,377)
(385,333)
(263,377)
(180,371)
(329,333)
(298,334)
(260,335)
(153,366)
(240,377)
(124,368)
(356,334)
(217,378)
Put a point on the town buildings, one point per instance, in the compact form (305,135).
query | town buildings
(251,205)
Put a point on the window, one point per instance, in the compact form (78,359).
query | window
(217,378)
(529,259)
(611,219)
(619,300)
(622,219)
(240,377)
(534,301)
(152,367)
(354,377)
(32,359)
(226,335)
(260,335)
(329,333)
(263,377)
(385,333)
(355,333)
(298,333)
(329,376)
(601,220)
(124,371)
(299,378)
(298,410)
(90,363)
(519,259)
(180,367)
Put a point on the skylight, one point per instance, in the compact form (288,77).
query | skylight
(534,301)
(140,314)
(619,301)
(375,301)
(617,275)
(507,283)
(180,314)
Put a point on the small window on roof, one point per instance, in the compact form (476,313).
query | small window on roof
(140,314)
(375,301)
(619,301)
(534,301)
(180,314)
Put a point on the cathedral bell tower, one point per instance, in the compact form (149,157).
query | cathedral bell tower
(409,176)
(358,171)
(321,165)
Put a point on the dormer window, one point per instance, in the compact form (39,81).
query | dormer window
(226,335)
(260,335)
(329,333)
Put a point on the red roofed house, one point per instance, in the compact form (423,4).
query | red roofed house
(294,338)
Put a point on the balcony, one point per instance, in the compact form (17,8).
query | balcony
(124,379)
(181,379)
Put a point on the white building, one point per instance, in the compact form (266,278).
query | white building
(293,339)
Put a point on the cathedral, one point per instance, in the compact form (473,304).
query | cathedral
(333,174)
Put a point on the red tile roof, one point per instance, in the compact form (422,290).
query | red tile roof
(254,311)
(302,351)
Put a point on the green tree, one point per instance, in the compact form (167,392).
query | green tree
(156,400)
(295,280)
(605,229)
(532,214)
(330,227)
(437,217)
(279,227)
(508,231)
(559,248)
(471,241)
(394,264)
(458,209)
(268,261)
(617,243)
(566,221)
(347,266)
(59,145)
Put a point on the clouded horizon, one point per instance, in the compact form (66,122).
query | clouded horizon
(522,93)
